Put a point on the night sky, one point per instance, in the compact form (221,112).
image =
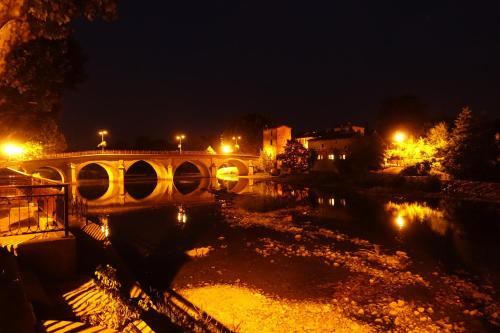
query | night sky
(194,66)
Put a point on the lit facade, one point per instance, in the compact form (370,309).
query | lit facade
(275,139)
(334,145)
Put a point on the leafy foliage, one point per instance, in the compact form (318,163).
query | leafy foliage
(295,158)
(39,61)
(471,152)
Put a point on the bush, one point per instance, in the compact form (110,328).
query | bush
(419,169)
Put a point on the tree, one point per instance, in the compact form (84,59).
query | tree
(438,140)
(39,61)
(471,151)
(295,158)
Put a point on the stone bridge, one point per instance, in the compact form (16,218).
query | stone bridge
(116,163)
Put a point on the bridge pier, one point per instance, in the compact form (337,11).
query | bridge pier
(121,178)
(213,170)
(170,174)
(72,173)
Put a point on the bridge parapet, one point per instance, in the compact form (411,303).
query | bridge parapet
(139,152)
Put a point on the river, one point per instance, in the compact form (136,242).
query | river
(264,256)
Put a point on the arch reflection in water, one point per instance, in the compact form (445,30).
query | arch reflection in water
(93,181)
(406,213)
(164,193)
(140,180)
(187,178)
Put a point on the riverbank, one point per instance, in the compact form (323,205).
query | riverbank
(279,271)
(389,185)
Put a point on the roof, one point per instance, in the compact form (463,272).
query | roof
(269,128)
(336,136)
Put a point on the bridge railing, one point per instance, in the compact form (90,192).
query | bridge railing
(30,209)
(133,152)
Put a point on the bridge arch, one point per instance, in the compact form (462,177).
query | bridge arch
(113,178)
(159,168)
(239,164)
(202,168)
(50,171)
(108,167)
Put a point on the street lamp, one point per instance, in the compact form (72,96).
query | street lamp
(235,139)
(13,150)
(103,143)
(399,136)
(179,138)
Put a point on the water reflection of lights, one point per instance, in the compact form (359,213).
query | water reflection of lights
(181,215)
(408,212)
(104,225)
(331,201)
(400,221)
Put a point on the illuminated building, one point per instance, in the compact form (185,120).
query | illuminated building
(333,145)
(275,139)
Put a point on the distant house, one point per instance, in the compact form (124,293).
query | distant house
(304,138)
(275,139)
(333,145)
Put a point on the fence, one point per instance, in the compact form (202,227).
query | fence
(34,208)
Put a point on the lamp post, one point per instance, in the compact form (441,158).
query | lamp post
(103,144)
(235,139)
(179,138)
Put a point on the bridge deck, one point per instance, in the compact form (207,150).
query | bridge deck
(140,153)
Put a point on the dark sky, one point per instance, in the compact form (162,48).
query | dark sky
(165,66)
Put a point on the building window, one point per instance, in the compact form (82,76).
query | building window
(320,157)
(331,156)
(342,156)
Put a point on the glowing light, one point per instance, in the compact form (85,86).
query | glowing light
(331,201)
(103,142)
(229,173)
(400,221)
(104,225)
(181,215)
(13,150)
(179,138)
(399,136)
(226,149)
(320,201)
(410,212)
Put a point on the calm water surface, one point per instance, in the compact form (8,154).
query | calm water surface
(456,235)
(153,225)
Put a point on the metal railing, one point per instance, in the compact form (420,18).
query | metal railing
(39,208)
(135,152)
